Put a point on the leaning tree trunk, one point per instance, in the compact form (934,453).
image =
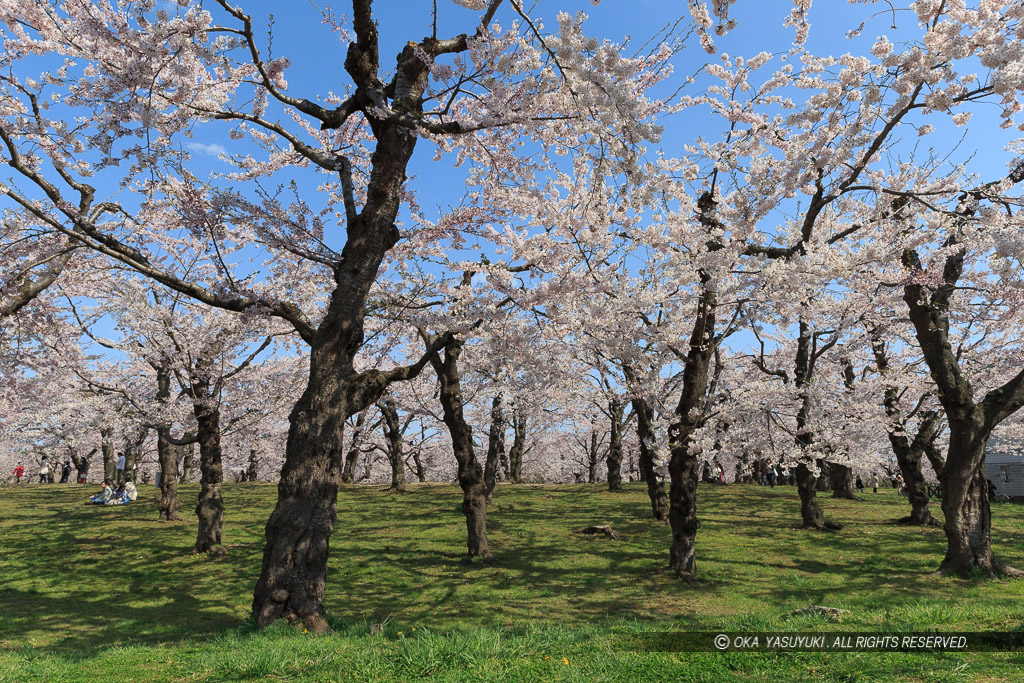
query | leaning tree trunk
(470,473)
(393,435)
(917,490)
(294,571)
(417,460)
(962,478)
(210,508)
(908,453)
(495,446)
(352,457)
(649,458)
(614,460)
(684,459)
(515,454)
(840,478)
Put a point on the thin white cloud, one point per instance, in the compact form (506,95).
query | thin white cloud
(214,150)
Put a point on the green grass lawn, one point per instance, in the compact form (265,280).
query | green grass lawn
(94,593)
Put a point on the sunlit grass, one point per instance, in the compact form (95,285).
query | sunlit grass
(83,588)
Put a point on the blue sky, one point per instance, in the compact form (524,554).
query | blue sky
(317,57)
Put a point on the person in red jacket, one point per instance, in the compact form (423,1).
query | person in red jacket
(19,472)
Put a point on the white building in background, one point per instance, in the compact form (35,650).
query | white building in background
(1004,467)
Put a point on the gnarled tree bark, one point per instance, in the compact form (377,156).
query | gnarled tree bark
(965,504)
(210,507)
(684,459)
(393,436)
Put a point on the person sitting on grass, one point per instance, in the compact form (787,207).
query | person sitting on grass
(125,494)
(120,496)
(103,496)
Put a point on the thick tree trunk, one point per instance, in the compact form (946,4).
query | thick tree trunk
(168,505)
(682,515)
(109,458)
(187,454)
(649,458)
(470,473)
(810,511)
(807,483)
(131,456)
(917,491)
(684,462)
(965,505)
(841,480)
(393,435)
(294,572)
(351,458)
(252,472)
(909,455)
(515,454)
(962,478)
(495,446)
(210,508)
(614,460)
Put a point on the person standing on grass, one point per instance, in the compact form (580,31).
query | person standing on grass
(44,471)
(83,471)
(873,483)
(120,467)
(859,485)
(19,472)
(65,472)
(771,474)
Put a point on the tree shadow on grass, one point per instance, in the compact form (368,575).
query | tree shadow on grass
(85,624)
